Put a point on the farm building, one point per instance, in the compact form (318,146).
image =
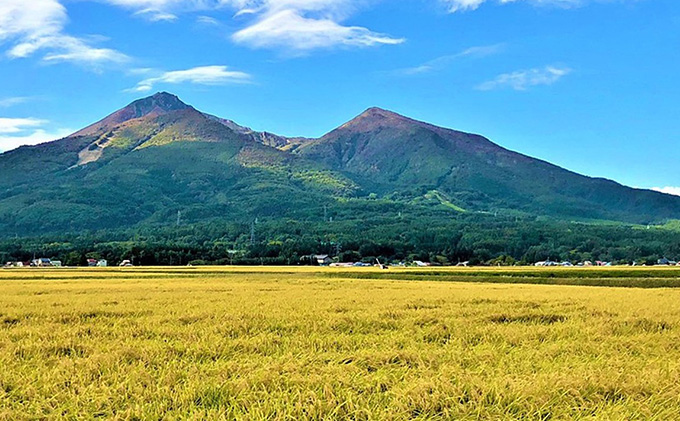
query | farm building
(14,264)
(41,262)
(323,259)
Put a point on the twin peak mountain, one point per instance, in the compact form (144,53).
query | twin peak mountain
(157,155)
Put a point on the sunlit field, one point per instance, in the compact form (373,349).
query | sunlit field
(312,343)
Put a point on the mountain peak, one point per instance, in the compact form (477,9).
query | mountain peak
(376,117)
(158,104)
(161,102)
(377,112)
(163,94)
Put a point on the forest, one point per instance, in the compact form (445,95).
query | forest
(480,239)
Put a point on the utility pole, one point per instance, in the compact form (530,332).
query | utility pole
(325,213)
(252,233)
(179,217)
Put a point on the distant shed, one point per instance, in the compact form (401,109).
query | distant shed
(323,259)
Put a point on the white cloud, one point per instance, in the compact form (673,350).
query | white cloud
(15,132)
(75,50)
(443,61)
(291,25)
(158,16)
(10,102)
(675,191)
(207,20)
(304,25)
(465,5)
(205,75)
(141,71)
(31,26)
(164,9)
(288,29)
(459,5)
(524,79)
(16,125)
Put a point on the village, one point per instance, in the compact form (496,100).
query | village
(44,262)
(328,261)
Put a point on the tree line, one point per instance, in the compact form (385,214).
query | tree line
(474,238)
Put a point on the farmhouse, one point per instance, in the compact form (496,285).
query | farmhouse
(323,259)
(14,264)
(41,262)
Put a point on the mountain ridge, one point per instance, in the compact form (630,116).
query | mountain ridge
(158,154)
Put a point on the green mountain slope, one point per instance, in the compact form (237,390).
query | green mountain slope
(157,156)
(146,162)
(395,153)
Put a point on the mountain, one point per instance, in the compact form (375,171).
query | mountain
(142,164)
(393,152)
(157,156)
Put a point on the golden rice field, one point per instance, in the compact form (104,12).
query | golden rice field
(291,344)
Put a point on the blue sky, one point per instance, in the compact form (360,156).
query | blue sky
(590,85)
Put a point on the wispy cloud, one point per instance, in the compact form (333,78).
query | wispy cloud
(156,16)
(296,26)
(442,62)
(35,137)
(75,50)
(15,132)
(16,125)
(290,29)
(524,79)
(207,20)
(10,102)
(675,191)
(458,5)
(300,26)
(466,5)
(205,75)
(164,10)
(38,25)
